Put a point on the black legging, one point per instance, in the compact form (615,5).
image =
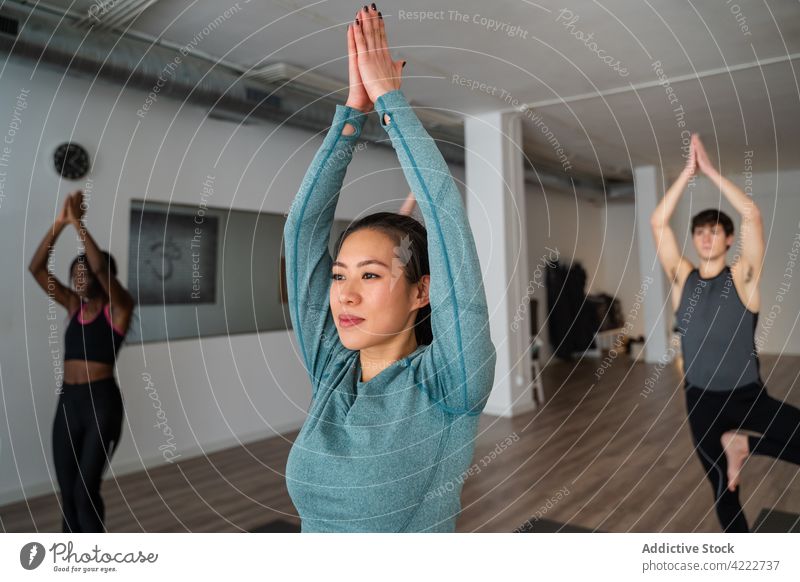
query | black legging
(712,413)
(86,432)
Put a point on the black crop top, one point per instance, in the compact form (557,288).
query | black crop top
(96,340)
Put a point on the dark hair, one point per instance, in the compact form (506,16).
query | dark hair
(81,258)
(711,217)
(398,227)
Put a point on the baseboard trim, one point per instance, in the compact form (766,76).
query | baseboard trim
(510,411)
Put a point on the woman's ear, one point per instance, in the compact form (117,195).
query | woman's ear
(423,291)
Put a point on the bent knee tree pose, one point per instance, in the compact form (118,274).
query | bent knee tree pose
(716,315)
(394,333)
(88,420)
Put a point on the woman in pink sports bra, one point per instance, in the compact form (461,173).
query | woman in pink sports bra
(88,420)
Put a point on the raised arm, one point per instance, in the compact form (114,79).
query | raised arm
(751,256)
(457,370)
(120,300)
(670,256)
(306,236)
(40,270)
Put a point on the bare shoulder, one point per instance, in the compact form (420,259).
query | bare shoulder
(682,270)
(73,301)
(744,272)
(746,279)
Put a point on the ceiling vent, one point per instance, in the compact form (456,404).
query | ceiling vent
(111,14)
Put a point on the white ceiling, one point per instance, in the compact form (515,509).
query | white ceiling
(755,108)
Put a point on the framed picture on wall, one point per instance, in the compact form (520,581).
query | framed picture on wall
(175,255)
(204,271)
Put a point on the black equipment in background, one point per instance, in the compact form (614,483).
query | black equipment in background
(572,320)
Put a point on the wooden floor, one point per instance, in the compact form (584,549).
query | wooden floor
(602,456)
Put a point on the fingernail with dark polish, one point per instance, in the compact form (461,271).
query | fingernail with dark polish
(365,7)
(404,64)
(373,6)
(357,22)
(380,15)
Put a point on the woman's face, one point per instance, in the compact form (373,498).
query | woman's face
(371,299)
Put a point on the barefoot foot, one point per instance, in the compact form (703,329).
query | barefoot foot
(736,451)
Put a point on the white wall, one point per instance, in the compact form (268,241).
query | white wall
(621,275)
(214,392)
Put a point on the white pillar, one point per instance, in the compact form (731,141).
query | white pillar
(496,210)
(657,307)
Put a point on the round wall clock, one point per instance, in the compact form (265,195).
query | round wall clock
(71,161)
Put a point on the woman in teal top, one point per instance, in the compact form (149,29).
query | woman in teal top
(396,395)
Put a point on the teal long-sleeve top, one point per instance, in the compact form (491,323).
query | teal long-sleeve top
(390,454)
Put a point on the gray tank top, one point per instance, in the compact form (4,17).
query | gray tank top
(717,333)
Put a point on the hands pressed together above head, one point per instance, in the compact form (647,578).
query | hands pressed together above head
(73,210)
(698,159)
(372,71)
